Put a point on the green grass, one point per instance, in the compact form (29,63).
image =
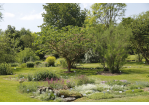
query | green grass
(137,72)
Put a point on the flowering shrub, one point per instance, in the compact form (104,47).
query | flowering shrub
(70,84)
(57,84)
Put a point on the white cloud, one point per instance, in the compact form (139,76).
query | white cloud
(7,14)
(32,16)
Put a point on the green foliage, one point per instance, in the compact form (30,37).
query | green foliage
(65,43)
(68,93)
(105,13)
(97,96)
(50,60)
(113,82)
(135,91)
(30,64)
(57,84)
(23,65)
(38,62)
(14,64)
(26,55)
(63,14)
(70,83)
(83,79)
(61,62)
(29,77)
(114,42)
(27,88)
(47,96)
(140,32)
(42,75)
(5,69)
(100,89)
(21,76)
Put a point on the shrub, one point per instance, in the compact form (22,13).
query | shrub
(38,62)
(50,60)
(29,77)
(5,69)
(14,64)
(23,65)
(97,96)
(42,75)
(61,62)
(30,64)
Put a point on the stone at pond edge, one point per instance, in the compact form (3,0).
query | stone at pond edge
(69,99)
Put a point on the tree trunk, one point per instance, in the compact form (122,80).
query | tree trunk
(69,66)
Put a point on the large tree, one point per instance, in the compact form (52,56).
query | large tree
(63,14)
(106,13)
(69,42)
(140,30)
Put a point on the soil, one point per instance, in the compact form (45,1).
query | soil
(146,89)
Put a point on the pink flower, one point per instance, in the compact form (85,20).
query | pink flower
(68,81)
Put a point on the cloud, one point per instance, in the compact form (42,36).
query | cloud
(32,16)
(7,14)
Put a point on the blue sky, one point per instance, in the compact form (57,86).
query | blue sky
(28,15)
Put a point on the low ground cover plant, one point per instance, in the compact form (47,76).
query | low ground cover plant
(97,96)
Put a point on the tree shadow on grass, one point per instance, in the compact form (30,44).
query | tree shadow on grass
(135,71)
(81,72)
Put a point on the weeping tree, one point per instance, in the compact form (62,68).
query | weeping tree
(69,42)
(115,41)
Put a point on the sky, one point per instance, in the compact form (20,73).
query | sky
(28,14)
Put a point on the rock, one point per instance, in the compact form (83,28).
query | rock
(32,96)
(69,99)
(123,80)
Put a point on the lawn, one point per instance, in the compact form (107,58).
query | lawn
(131,72)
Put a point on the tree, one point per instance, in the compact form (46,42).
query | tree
(69,42)
(0,12)
(26,55)
(106,13)
(113,43)
(63,14)
(140,30)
